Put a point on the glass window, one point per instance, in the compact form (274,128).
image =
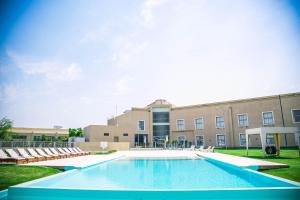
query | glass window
(181,138)
(19,137)
(141,125)
(268,118)
(106,134)
(219,122)
(296,115)
(221,140)
(199,140)
(37,138)
(161,130)
(160,117)
(242,139)
(180,124)
(270,139)
(125,134)
(242,120)
(199,123)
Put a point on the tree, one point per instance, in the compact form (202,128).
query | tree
(5,126)
(75,132)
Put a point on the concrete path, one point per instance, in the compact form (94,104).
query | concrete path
(241,161)
(84,161)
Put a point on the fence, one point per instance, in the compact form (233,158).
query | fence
(15,144)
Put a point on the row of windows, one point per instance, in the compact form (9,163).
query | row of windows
(124,134)
(267,119)
(221,139)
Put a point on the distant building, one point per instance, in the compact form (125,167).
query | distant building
(220,124)
(36,134)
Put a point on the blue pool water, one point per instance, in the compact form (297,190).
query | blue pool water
(160,174)
(157,179)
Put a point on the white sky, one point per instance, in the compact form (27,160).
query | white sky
(70,65)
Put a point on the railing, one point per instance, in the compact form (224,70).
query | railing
(15,144)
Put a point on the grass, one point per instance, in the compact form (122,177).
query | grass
(287,156)
(103,152)
(14,174)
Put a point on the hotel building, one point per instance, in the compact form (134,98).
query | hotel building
(220,124)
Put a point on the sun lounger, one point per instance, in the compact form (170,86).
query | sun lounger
(212,149)
(35,154)
(26,155)
(60,150)
(4,158)
(14,155)
(81,151)
(68,151)
(42,153)
(64,155)
(50,153)
(73,151)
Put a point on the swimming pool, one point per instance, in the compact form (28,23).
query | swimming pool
(158,179)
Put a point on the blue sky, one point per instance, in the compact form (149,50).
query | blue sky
(70,63)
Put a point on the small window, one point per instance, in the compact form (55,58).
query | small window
(296,115)
(199,123)
(141,125)
(242,139)
(242,120)
(125,134)
(180,124)
(221,140)
(268,118)
(37,138)
(270,139)
(106,134)
(219,122)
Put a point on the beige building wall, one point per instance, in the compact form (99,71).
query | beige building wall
(229,110)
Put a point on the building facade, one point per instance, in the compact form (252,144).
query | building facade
(220,124)
(38,134)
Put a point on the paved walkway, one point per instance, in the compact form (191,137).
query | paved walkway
(241,161)
(84,161)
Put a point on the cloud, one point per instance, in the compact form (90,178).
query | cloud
(51,70)
(148,19)
(122,86)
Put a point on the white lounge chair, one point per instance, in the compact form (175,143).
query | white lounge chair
(81,151)
(42,153)
(14,155)
(60,150)
(26,155)
(4,158)
(50,153)
(63,155)
(73,151)
(208,149)
(68,151)
(35,154)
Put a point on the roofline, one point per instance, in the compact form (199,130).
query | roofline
(57,129)
(236,101)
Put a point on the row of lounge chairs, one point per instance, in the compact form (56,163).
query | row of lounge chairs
(22,155)
(208,149)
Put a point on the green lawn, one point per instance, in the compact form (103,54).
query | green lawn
(103,152)
(287,156)
(13,174)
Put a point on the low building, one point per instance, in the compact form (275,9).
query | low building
(220,124)
(38,134)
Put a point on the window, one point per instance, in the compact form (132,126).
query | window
(180,124)
(268,118)
(141,125)
(296,115)
(180,138)
(160,117)
(242,139)
(199,140)
(242,120)
(270,139)
(161,131)
(199,123)
(219,122)
(37,138)
(125,134)
(221,140)
(106,134)
(19,137)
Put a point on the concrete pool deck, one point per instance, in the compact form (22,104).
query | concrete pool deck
(85,161)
